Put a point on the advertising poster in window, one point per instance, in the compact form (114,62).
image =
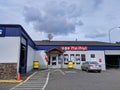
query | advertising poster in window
(60,58)
(77,58)
(72,58)
(83,58)
(66,58)
(93,57)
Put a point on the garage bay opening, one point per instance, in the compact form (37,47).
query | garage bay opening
(112,61)
(23,64)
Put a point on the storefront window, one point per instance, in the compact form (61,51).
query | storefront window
(77,59)
(54,60)
(60,58)
(66,58)
(83,58)
(72,58)
(92,55)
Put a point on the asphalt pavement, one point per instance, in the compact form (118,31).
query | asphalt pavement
(68,79)
(7,86)
(81,80)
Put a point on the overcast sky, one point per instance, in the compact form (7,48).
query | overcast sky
(64,19)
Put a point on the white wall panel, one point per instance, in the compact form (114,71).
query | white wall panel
(112,52)
(30,58)
(40,56)
(9,49)
(98,55)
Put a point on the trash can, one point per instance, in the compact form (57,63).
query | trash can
(36,65)
(70,64)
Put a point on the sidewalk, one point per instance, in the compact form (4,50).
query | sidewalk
(36,81)
(23,77)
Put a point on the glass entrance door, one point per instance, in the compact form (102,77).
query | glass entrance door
(54,61)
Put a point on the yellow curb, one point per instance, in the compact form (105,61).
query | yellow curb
(11,81)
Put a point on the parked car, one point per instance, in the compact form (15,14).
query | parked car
(91,66)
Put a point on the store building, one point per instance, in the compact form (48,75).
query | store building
(60,52)
(18,52)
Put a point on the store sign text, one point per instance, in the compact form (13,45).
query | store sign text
(74,48)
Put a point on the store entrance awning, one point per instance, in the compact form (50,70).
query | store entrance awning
(54,51)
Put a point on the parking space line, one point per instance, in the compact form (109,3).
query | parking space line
(16,86)
(62,72)
(24,81)
(70,72)
(28,88)
(46,81)
(30,76)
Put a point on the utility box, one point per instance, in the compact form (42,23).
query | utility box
(70,64)
(36,64)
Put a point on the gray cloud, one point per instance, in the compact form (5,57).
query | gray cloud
(56,26)
(95,34)
(32,14)
(97,3)
(59,17)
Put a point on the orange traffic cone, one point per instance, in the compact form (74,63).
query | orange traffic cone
(18,76)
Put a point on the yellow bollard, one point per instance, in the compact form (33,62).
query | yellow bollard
(70,64)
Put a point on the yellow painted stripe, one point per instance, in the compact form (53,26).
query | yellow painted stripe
(11,81)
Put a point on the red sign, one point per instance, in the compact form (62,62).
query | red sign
(100,60)
(74,48)
(46,58)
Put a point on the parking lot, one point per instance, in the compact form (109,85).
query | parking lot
(81,80)
(6,86)
(71,79)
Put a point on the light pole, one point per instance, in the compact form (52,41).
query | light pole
(110,32)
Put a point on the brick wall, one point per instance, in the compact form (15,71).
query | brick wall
(8,70)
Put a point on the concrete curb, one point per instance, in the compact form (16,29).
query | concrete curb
(11,81)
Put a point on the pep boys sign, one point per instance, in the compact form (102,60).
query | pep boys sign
(74,48)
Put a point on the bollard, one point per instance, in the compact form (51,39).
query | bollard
(70,64)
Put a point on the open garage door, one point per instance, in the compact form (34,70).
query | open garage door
(112,61)
(23,59)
